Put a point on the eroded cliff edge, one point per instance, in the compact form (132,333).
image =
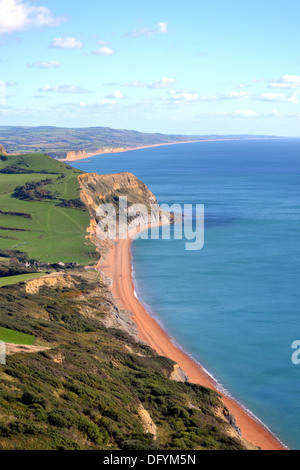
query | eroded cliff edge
(106,189)
(74,155)
(2,150)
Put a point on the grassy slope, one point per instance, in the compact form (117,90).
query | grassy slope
(84,393)
(54,233)
(15,337)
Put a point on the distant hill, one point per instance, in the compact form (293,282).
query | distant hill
(58,142)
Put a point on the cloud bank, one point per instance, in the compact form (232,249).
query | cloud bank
(17,15)
(66,43)
(63,89)
(50,64)
(160,28)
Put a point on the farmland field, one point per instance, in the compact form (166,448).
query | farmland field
(10,280)
(46,228)
(14,337)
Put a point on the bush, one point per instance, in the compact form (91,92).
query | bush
(29,398)
(91,430)
(56,419)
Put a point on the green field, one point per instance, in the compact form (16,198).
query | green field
(14,337)
(46,232)
(10,280)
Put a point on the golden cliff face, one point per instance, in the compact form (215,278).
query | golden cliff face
(99,189)
(53,280)
(80,154)
(2,150)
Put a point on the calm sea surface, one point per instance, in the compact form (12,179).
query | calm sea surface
(234,305)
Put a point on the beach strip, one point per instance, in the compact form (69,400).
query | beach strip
(73,156)
(117,266)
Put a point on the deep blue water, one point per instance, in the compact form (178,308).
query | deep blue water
(234,305)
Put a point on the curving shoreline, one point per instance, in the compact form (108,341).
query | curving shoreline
(73,157)
(118,266)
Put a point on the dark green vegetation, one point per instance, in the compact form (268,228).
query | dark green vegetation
(56,142)
(86,390)
(41,213)
(10,336)
(13,263)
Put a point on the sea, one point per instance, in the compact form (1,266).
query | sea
(234,305)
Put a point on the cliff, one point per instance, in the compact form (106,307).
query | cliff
(80,154)
(54,280)
(2,150)
(106,189)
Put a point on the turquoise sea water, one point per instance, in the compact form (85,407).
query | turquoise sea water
(234,305)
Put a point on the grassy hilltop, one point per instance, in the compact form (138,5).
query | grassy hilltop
(40,210)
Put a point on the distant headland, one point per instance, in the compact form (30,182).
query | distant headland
(70,144)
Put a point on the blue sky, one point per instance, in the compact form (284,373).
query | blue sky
(192,67)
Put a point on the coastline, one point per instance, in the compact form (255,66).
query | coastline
(130,149)
(118,267)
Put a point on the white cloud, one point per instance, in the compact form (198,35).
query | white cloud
(51,64)
(160,28)
(105,102)
(116,94)
(66,43)
(10,83)
(136,84)
(111,84)
(183,97)
(287,81)
(105,50)
(103,43)
(165,82)
(292,98)
(235,95)
(63,89)
(17,15)
(275,112)
(246,113)
(273,96)
(276,97)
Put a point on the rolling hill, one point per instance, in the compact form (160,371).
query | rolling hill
(40,210)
